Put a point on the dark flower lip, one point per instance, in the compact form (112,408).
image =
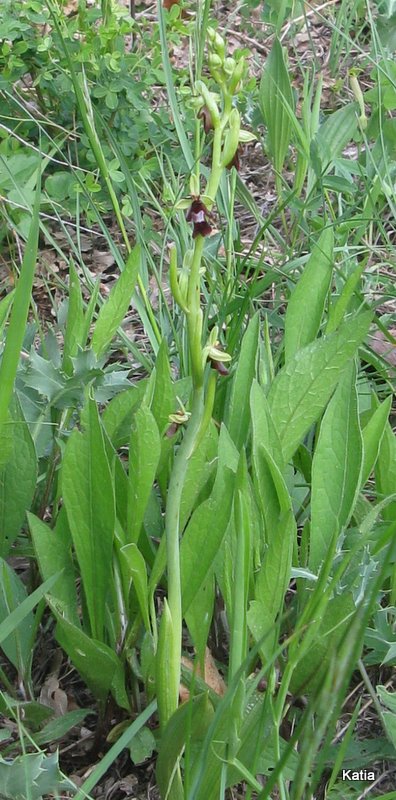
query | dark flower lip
(205,116)
(172,430)
(219,366)
(199,215)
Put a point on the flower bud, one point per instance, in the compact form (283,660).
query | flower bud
(215,61)
(229,65)
(236,76)
(219,46)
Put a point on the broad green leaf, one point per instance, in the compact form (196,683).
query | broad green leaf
(75,321)
(135,564)
(385,471)
(275,92)
(199,616)
(89,499)
(53,552)
(17,324)
(58,727)
(98,665)
(264,432)
(334,134)
(372,437)
(304,386)
(200,471)
(241,573)
(17,481)
(144,454)
(18,645)
(307,302)
(142,746)
(203,536)
(273,578)
(265,440)
(336,469)
(118,415)
(164,397)
(114,309)
(237,416)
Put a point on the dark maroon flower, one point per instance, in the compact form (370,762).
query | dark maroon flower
(205,115)
(199,215)
(219,366)
(173,428)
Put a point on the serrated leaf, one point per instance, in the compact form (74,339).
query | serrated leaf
(32,775)
(43,376)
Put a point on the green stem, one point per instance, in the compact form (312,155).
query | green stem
(172,533)
(194,318)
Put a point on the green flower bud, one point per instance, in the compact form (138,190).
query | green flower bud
(219,45)
(215,60)
(236,76)
(229,65)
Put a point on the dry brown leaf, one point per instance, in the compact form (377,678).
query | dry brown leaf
(53,696)
(212,676)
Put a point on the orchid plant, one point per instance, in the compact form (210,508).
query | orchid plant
(221,121)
